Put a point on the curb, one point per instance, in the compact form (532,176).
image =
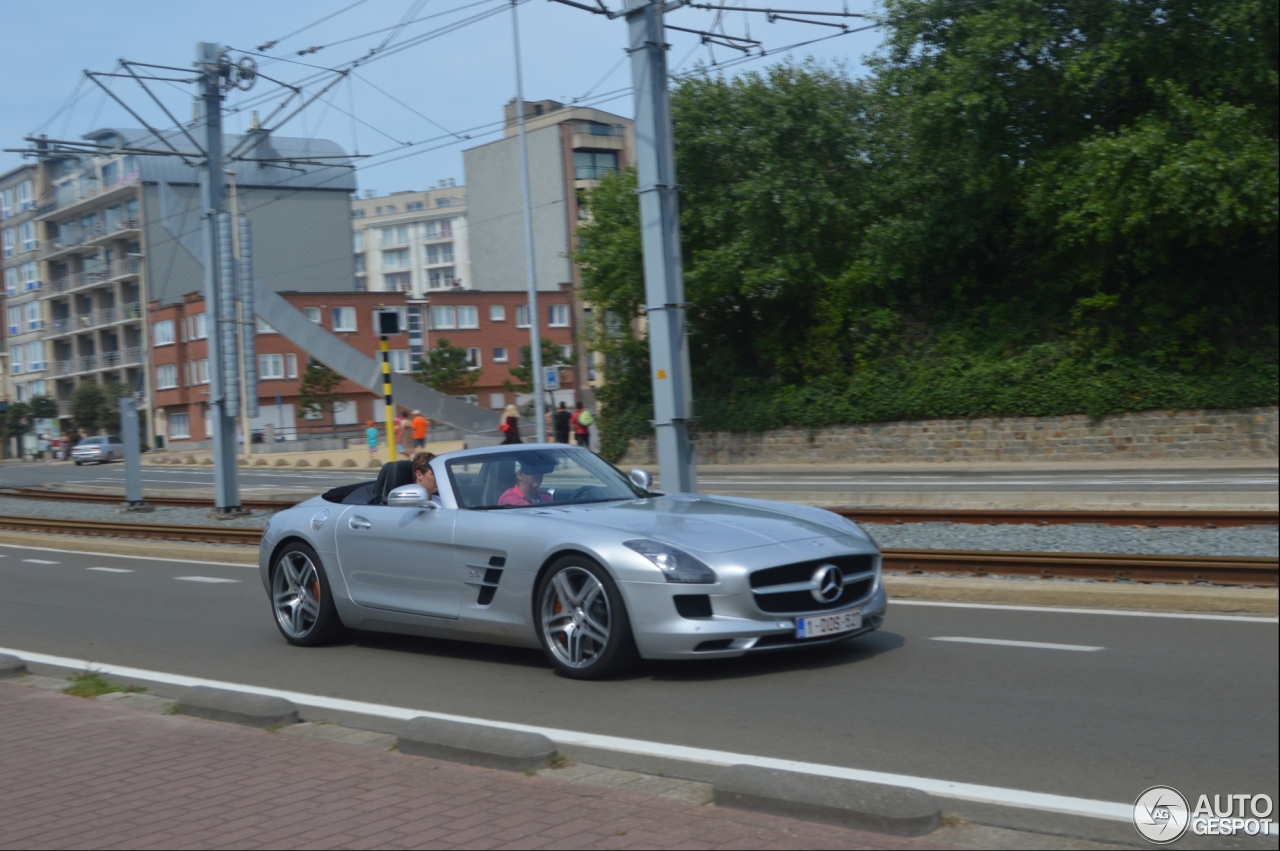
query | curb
(893,810)
(475,744)
(11,666)
(235,707)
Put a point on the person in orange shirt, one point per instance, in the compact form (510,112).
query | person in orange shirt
(419,430)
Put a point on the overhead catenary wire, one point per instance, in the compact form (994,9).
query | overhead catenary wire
(274,42)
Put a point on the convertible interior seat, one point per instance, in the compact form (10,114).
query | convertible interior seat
(394,474)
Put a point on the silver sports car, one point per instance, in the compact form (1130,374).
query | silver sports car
(549,546)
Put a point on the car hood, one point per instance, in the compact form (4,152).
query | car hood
(706,524)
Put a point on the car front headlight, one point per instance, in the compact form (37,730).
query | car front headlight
(676,565)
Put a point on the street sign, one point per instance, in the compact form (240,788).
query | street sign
(551,378)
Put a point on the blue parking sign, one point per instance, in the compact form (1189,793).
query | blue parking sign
(551,378)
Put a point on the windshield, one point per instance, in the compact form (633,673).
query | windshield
(91,441)
(525,478)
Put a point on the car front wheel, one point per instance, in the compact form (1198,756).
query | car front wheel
(301,599)
(582,621)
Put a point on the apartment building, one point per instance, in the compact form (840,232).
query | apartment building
(411,242)
(493,325)
(116,233)
(570,150)
(181,356)
(27,373)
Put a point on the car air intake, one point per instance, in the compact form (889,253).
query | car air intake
(856,571)
(491,578)
(693,606)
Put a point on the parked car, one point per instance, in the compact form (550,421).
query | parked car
(550,546)
(99,449)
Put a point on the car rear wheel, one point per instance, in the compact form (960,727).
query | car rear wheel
(582,621)
(301,600)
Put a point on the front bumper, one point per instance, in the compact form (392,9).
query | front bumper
(662,633)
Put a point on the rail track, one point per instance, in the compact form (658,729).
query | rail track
(1039,517)
(1213,570)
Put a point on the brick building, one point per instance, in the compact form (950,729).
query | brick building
(180,356)
(492,326)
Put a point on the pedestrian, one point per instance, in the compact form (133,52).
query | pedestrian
(562,422)
(582,420)
(404,435)
(371,438)
(45,447)
(420,426)
(510,426)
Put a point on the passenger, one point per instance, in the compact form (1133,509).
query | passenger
(526,490)
(425,476)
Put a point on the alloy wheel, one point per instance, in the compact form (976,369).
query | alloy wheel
(576,617)
(295,594)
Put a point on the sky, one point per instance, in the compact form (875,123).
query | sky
(441,94)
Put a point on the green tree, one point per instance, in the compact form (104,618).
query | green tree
(318,390)
(552,355)
(446,368)
(43,407)
(89,408)
(18,420)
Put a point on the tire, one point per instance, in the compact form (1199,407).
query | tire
(77,463)
(582,622)
(301,600)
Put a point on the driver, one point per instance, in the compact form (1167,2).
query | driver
(526,490)
(425,476)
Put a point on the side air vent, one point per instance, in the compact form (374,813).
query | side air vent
(489,584)
(693,606)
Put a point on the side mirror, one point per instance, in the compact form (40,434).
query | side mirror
(641,478)
(410,496)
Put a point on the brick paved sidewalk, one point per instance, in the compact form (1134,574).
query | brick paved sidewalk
(77,773)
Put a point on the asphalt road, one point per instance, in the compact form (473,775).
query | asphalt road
(1185,702)
(742,481)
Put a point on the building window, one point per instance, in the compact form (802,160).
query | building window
(357,214)
(398,282)
(179,426)
(397,259)
(558,316)
(16,359)
(6,203)
(444,318)
(29,240)
(163,332)
(263,328)
(497,313)
(344,319)
(166,376)
(566,353)
(270,366)
(441,278)
(357,241)
(593,165)
(442,253)
(500,354)
(29,276)
(497,400)
(313,313)
(11,281)
(10,239)
(359,264)
(34,321)
(394,236)
(197,327)
(522,316)
(35,356)
(473,358)
(399,359)
(26,196)
(412,206)
(15,320)
(403,313)
(468,316)
(291,365)
(201,371)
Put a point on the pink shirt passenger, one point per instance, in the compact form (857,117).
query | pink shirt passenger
(515,496)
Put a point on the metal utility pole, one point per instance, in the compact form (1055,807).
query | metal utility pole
(219,288)
(660,240)
(535,337)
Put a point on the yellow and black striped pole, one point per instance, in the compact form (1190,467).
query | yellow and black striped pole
(386,395)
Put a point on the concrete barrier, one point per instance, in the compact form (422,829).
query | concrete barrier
(234,707)
(11,666)
(475,744)
(848,803)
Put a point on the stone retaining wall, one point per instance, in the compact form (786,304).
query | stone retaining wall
(1171,435)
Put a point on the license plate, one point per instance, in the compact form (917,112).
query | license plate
(817,626)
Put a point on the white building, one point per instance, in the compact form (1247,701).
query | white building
(411,242)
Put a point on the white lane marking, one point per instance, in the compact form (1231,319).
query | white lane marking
(1037,645)
(40,561)
(1117,612)
(211,579)
(110,569)
(945,788)
(136,558)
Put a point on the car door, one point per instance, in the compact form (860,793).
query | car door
(400,559)
(116,445)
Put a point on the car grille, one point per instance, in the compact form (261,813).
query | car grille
(857,571)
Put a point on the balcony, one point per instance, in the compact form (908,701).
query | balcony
(72,194)
(117,270)
(593,172)
(584,129)
(92,363)
(97,319)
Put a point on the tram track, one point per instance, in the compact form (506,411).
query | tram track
(1108,567)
